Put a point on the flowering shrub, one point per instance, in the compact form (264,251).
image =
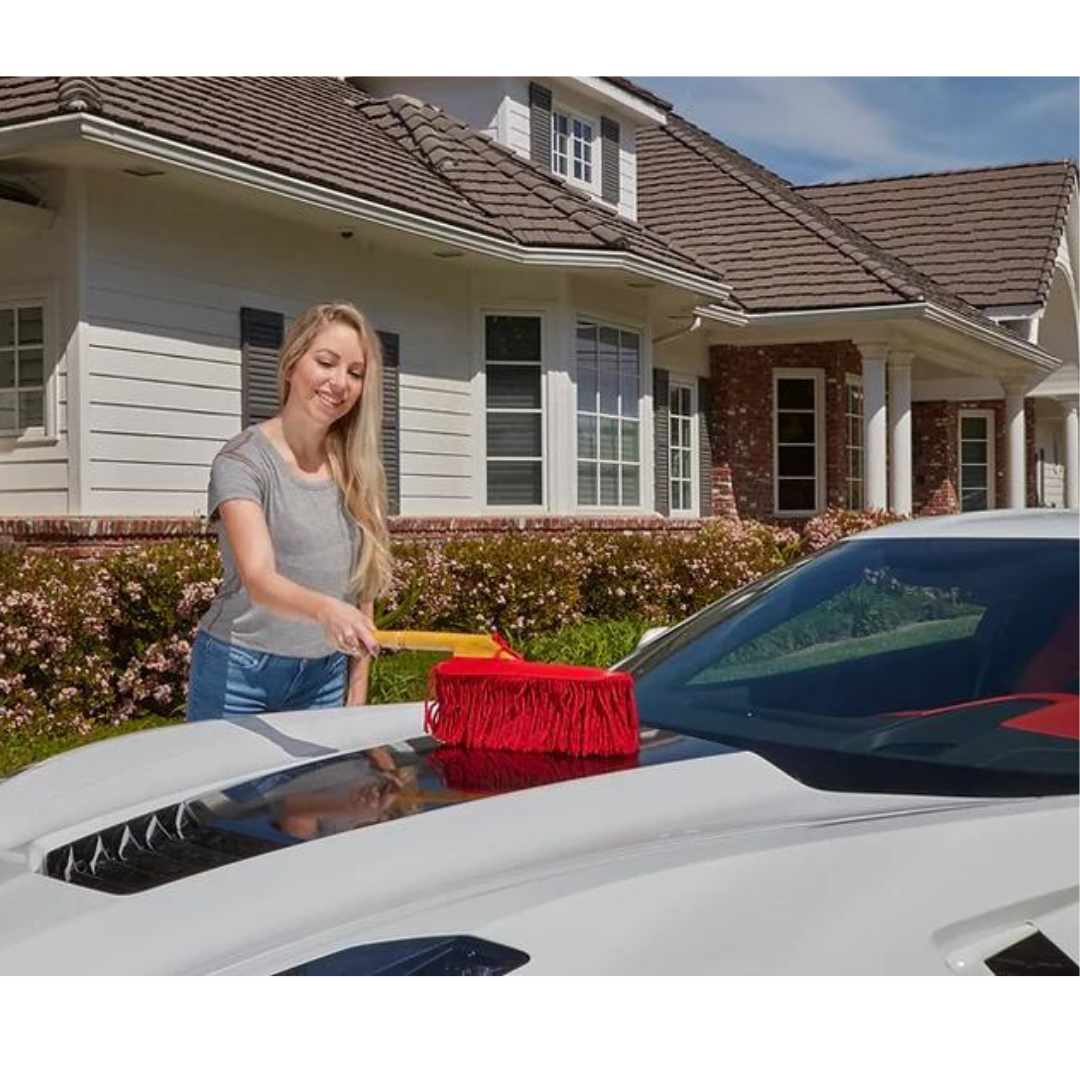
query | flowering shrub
(833,525)
(93,644)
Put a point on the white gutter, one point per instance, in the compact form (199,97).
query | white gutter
(682,331)
(107,133)
(999,338)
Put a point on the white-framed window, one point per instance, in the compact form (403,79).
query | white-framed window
(514,410)
(23,379)
(682,445)
(798,441)
(854,449)
(609,439)
(573,146)
(976,459)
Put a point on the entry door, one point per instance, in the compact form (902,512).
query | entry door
(976,459)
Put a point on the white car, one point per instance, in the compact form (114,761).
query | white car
(866,763)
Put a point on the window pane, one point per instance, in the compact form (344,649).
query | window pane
(586,341)
(797,461)
(586,437)
(631,485)
(630,440)
(973,453)
(630,393)
(609,439)
(795,393)
(513,337)
(586,484)
(630,348)
(513,434)
(673,431)
(684,435)
(609,485)
(513,483)
(973,427)
(975,500)
(609,389)
(586,391)
(513,387)
(7,412)
(32,409)
(687,474)
(7,368)
(676,495)
(796,494)
(973,476)
(30,326)
(676,465)
(795,427)
(7,328)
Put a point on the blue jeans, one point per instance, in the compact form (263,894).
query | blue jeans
(230,680)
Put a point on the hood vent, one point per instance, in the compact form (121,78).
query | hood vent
(1035,955)
(151,850)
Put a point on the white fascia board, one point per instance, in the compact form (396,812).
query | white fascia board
(600,90)
(998,339)
(722,315)
(106,133)
(927,312)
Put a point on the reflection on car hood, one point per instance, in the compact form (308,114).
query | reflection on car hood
(505,848)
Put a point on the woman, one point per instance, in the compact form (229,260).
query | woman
(300,506)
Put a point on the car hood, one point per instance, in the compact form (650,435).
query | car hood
(521,856)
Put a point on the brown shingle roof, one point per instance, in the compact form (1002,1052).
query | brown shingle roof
(778,249)
(322,130)
(990,235)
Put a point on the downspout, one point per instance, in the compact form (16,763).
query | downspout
(663,339)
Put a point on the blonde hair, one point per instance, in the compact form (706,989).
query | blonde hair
(353,443)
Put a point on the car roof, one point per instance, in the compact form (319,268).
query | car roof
(983,525)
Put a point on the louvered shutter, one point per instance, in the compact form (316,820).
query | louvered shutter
(261,334)
(391,425)
(609,160)
(661,442)
(705,455)
(540,125)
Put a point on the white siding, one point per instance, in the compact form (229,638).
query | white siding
(34,473)
(168,277)
(517,126)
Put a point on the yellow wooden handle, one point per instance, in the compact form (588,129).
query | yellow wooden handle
(435,641)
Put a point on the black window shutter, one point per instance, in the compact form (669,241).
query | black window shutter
(661,442)
(609,157)
(391,425)
(705,455)
(261,334)
(540,125)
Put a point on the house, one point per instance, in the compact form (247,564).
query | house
(592,311)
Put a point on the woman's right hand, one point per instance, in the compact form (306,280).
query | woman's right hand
(347,629)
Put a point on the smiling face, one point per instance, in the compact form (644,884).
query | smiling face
(328,379)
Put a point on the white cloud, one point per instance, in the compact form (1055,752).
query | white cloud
(829,119)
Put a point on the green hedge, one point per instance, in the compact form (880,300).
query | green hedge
(96,644)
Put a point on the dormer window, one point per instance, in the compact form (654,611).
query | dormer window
(572,140)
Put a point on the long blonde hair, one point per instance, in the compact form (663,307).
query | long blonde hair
(353,443)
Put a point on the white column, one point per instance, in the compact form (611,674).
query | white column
(1072,454)
(873,374)
(1015,470)
(900,432)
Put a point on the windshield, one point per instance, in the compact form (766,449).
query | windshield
(926,666)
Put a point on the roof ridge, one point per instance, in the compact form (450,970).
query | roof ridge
(894,272)
(1068,192)
(775,190)
(943,172)
(601,222)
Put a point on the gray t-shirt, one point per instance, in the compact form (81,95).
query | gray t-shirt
(314,543)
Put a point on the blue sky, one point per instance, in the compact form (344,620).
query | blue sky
(815,129)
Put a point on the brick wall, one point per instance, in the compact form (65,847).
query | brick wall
(743,444)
